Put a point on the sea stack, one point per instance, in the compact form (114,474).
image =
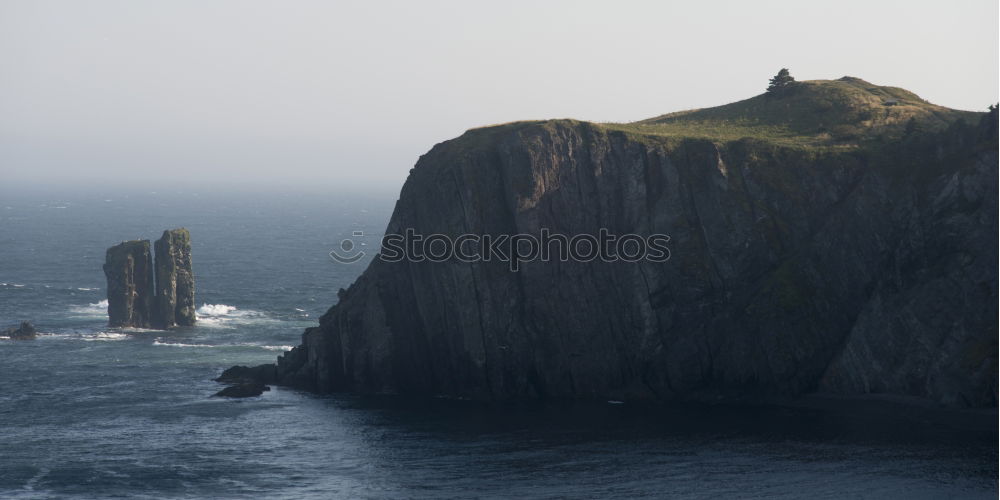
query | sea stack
(129,269)
(133,300)
(174,305)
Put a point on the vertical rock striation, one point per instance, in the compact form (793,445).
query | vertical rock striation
(133,300)
(855,257)
(128,267)
(792,271)
(174,305)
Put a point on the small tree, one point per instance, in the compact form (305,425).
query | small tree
(780,81)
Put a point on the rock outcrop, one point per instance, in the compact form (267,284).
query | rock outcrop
(264,374)
(174,304)
(840,267)
(243,390)
(137,299)
(246,382)
(25,331)
(128,267)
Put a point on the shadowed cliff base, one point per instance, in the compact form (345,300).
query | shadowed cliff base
(804,260)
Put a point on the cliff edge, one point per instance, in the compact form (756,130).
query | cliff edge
(840,238)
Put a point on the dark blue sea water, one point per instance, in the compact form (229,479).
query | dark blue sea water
(93,412)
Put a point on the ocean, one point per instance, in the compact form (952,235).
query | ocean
(93,412)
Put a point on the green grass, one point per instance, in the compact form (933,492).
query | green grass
(838,113)
(820,115)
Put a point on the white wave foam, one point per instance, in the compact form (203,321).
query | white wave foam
(86,335)
(161,342)
(178,344)
(43,335)
(104,337)
(226,316)
(83,289)
(215,310)
(98,309)
(133,329)
(211,323)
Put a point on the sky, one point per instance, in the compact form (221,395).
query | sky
(328,94)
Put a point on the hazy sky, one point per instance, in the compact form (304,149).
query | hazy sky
(344,94)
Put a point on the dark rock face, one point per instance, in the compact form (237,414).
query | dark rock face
(263,374)
(243,390)
(792,270)
(174,304)
(247,381)
(128,267)
(133,301)
(26,331)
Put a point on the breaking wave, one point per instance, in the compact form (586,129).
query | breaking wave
(84,334)
(161,342)
(214,310)
(278,347)
(104,337)
(179,344)
(98,309)
(226,316)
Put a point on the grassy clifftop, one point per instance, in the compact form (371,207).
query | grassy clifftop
(815,115)
(839,113)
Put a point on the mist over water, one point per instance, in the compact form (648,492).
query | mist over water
(92,412)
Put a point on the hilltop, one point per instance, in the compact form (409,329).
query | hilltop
(842,112)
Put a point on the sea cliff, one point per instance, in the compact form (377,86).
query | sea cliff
(825,240)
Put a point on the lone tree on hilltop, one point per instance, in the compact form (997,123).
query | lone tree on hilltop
(780,81)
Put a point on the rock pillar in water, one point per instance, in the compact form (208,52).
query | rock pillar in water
(174,303)
(128,267)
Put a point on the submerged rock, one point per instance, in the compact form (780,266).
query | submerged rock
(264,374)
(243,390)
(174,303)
(246,381)
(128,267)
(26,331)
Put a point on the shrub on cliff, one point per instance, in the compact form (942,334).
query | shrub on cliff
(781,80)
